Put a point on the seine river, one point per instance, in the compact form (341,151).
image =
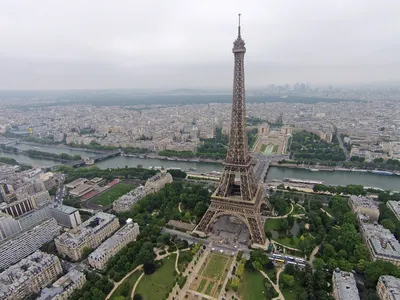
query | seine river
(334,177)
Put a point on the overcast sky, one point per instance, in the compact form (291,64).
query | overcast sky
(52,44)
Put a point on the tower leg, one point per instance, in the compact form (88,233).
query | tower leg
(251,217)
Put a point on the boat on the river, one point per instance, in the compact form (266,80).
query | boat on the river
(314,170)
(381,172)
(294,180)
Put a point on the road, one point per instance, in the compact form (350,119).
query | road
(217,247)
(346,152)
(225,248)
(60,190)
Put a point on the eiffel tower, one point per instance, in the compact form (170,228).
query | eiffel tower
(238,194)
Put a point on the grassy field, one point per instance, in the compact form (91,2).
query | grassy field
(252,286)
(130,281)
(216,266)
(290,242)
(209,288)
(202,285)
(212,274)
(272,224)
(157,285)
(291,293)
(297,210)
(113,194)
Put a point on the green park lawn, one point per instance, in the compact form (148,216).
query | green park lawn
(157,285)
(272,224)
(263,147)
(291,293)
(297,210)
(209,288)
(202,285)
(123,290)
(216,266)
(113,194)
(289,242)
(252,286)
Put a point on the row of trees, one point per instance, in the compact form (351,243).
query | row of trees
(98,147)
(8,161)
(174,153)
(89,173)
(309,146)
(55,156)
(214,148)
(377,163)
(350,189)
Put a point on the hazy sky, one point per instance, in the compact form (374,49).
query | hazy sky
(52,44)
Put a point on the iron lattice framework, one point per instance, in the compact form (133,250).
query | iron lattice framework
(238,193)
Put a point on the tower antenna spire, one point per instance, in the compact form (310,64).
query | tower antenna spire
(239,26)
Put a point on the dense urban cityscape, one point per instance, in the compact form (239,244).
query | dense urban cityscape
(282,191)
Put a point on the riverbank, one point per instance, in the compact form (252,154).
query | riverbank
(59,146)
(316,168)
(53,157)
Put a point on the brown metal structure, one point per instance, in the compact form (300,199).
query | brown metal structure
(238,192)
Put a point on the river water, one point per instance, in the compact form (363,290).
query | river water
(333,177)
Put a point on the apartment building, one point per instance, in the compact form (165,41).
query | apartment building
(15,248)
(41,198)
(388,288)
(344,286)
(8,226)
(365,206)
(381,243)
(394,206)
(89,234)
(125,202)
(29,276)
(158,181)
(66,216)
(128,233)
(64,287)
(18,207)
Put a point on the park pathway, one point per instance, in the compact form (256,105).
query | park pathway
(313,253)
(159,257)
(328,214)
(287,247)
(136,284)
(275,286)
(285,216)
(179,207)
(191,272)
(116,285)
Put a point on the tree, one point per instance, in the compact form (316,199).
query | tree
(288,280)
(257,265)
(86,251)
(375,269)
(200,209)
(319,263)
(389,224)
(137,297)
(149,268)
(284,224)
